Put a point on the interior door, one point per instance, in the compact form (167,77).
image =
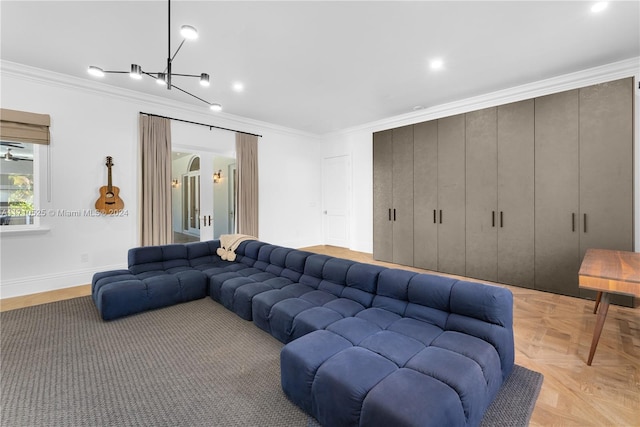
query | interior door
(191,194)
(336,189)
(200,200)
(223,196)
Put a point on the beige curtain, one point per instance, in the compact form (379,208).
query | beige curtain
(155,191)
(247,188)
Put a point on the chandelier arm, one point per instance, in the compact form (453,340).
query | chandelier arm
(155,77)
(186,75)
(178,49)
(190,94)
(115,72)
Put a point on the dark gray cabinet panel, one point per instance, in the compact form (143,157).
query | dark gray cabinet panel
(403,195)
(382,197)
(482,194)
(451,194)
(606,167)
(557,204)
(425,195)
(393,195)
(516,193)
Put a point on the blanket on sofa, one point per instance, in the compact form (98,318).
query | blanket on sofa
(229,243)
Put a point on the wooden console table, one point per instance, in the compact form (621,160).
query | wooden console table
(607,272)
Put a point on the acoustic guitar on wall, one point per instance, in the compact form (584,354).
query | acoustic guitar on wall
(109,201)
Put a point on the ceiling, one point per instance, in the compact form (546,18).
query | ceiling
(323,66)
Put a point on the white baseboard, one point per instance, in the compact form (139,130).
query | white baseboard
(49,282)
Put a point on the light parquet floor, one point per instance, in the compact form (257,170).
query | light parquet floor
(552,336)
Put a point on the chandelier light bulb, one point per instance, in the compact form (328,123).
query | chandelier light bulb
(216,107)
(136,72)
(189,32)
(162,79)
(204,79)
(95,71)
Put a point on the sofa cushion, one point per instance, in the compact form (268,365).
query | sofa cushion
(157,258)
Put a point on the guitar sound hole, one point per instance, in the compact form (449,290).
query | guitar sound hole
(109,195)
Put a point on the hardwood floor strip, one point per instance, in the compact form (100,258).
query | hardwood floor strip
(7,304)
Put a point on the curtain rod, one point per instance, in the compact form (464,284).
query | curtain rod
(200,124)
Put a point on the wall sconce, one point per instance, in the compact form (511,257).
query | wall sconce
(175,183)
(217,176)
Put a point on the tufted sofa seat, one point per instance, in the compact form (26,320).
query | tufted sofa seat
(157,276)
(365,345)
(429,351)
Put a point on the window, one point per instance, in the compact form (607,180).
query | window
(21,136)
(16,183)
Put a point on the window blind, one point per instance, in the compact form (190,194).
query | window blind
(21,126)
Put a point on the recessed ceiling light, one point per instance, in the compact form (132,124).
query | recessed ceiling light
(436,64)
(599,7)
(216,107)
(238,87)
(418,107)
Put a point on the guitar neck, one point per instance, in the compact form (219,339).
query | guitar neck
(109,185)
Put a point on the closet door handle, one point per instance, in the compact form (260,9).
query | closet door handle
(584,223)
(573,222)
(389,214)
(501,219)
(434,216)
(394,214)
(493,218)
(440,216)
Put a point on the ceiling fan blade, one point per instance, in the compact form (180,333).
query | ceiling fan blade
(11,144)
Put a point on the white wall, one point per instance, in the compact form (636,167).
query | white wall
(358,141)
(90,121)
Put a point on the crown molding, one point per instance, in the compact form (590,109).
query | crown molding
(616,70)
(153,104)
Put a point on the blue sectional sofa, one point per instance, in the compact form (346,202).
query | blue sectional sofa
(365,345)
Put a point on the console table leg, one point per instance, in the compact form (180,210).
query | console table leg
(598,297)
(602,315)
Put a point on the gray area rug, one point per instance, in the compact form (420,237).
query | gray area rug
(194,364)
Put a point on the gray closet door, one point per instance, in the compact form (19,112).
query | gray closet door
(482,194)
(451,195)
(516,193)
(425,195)
(382,200)
(606,167)
(403,195)
(557,253)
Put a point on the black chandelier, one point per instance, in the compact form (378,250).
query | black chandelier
(165,77)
